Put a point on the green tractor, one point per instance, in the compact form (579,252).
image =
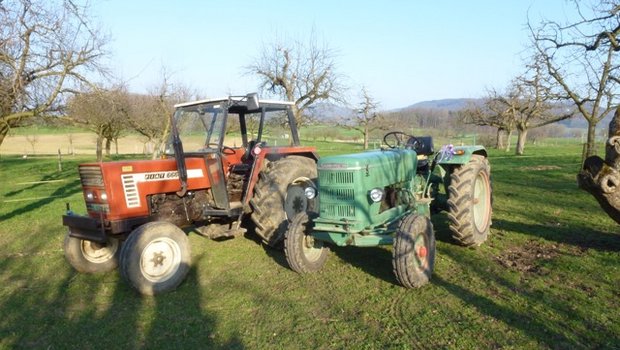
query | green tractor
(386,197)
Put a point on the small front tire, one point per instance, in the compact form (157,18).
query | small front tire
(303,252)
(155,258)
(91,257)
(413,256)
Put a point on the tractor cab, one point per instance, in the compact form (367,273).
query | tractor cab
(228,133)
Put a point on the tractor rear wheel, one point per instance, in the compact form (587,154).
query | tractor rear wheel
(91,257)
(155,258)
(413,255)
(469,201)
(303,253)
(279,196)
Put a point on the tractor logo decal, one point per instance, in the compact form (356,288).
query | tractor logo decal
(130,182)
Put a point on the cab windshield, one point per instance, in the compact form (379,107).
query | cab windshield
(213,126)
(201,127)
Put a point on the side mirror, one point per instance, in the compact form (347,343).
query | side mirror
(252,101)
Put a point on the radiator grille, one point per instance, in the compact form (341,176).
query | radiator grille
(335,177)
(91,176)
(338,194)
(338,211)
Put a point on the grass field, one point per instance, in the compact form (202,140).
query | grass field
(548,277)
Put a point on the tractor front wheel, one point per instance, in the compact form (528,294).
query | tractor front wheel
(155,258)
(91,257)
(469,201)
(279,196)
(413,255)
(303,252)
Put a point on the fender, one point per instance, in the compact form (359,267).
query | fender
(459,154)
(272,154)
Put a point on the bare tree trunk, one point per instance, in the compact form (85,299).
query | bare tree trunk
(116,145)
(108,146)
(601,178)
(591,140)
(499,141)
(99,148)
(161,144)
(508,138)
(521,138)
(4,130)
(366,132)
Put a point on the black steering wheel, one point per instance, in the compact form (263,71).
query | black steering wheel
(225,149)
(394,139)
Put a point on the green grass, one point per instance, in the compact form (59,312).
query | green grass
(548,277)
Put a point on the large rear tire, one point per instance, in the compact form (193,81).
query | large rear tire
(155,258)
(413,256)
(279,196)
(469,201)
(304,254)
(91,257)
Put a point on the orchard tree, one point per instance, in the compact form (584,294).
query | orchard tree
(497,111)
(301,72)
(528,103)
(149,115)
(366,119)
(105,112)
(582,58)
(47,48)
(535,105)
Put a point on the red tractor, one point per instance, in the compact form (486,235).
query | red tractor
(136,209)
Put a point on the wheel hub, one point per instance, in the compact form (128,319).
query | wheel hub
(481,202)
(295,202)
(99,253)
(160,259)
(309,241)
(422,252)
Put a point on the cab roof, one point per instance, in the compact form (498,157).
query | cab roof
(239,101)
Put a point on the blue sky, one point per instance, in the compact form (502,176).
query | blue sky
(402,51)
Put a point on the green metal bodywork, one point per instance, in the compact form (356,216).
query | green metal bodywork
(347,215)
(464,158)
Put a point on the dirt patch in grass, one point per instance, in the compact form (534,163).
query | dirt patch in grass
(540,168)
(528,257)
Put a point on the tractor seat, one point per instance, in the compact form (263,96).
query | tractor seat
(423,147)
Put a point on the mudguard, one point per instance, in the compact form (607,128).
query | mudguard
(458,154)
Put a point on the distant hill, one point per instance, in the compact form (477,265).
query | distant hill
(451,104)
(329,112)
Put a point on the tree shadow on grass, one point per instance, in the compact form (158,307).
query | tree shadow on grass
(64,191)
(44,181)
(179,320)
(547,318)
(100,312)
(582,237)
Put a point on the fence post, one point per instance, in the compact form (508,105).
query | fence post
(59,161)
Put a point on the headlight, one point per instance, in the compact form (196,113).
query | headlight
(310,192)
(376,194)
(90,196)
(103,196)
